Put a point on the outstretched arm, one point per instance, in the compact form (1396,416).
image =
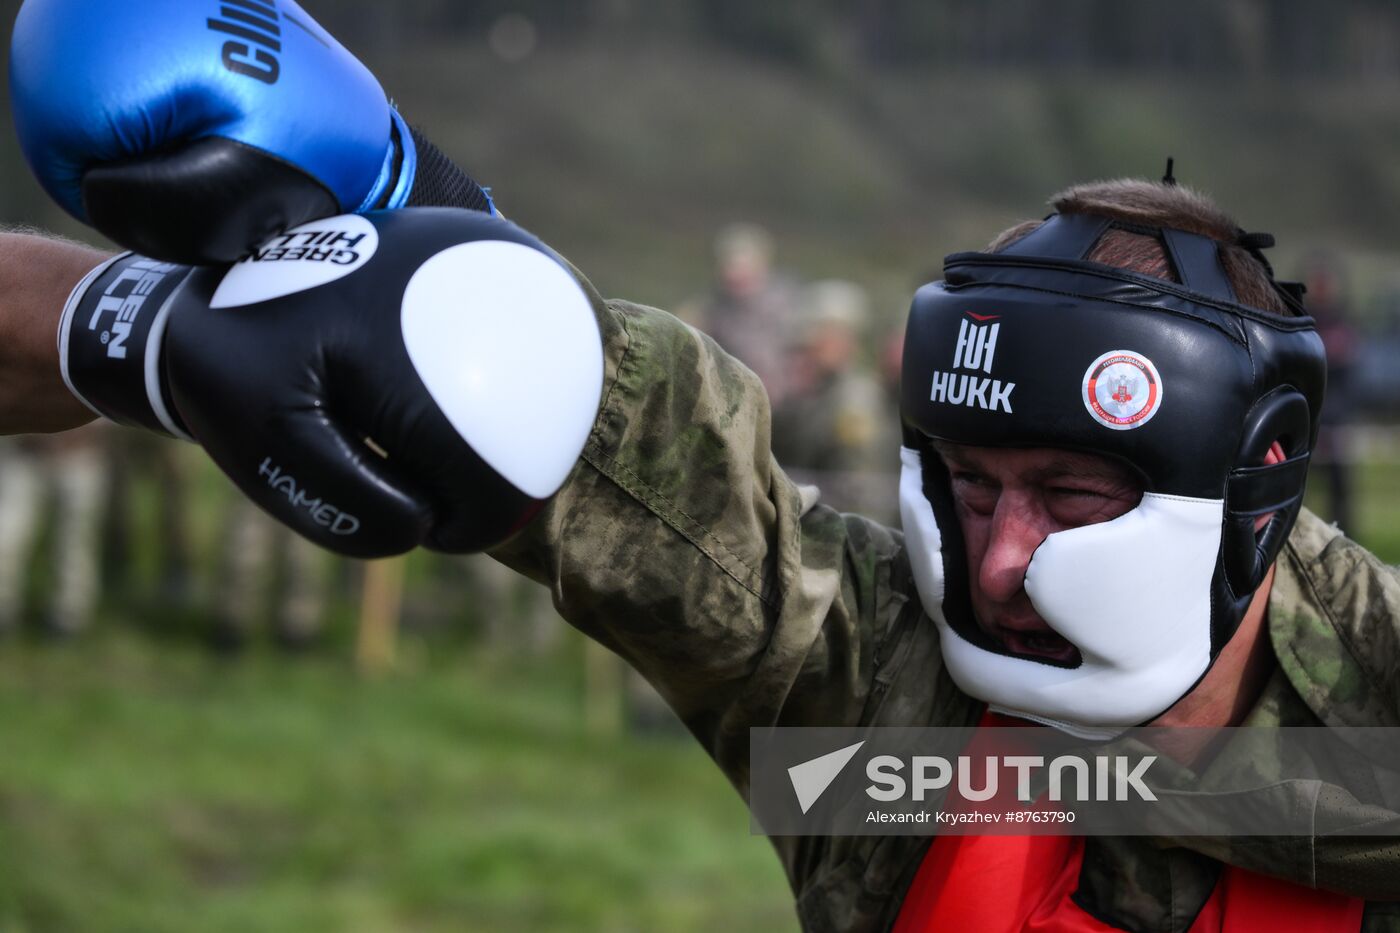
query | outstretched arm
(36,275)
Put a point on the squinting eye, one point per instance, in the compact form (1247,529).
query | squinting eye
(1076,505)
(1074,493)
(975,492)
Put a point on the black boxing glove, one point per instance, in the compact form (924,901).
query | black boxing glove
(375,382)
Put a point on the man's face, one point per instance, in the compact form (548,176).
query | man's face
(831,347)
(743,274)
(1008,502)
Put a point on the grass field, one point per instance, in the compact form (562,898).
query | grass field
(147,787)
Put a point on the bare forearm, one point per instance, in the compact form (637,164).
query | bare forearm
(36,275)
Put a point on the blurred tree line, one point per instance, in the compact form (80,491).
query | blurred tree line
(1282,39)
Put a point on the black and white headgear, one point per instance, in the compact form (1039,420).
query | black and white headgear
(1038,347)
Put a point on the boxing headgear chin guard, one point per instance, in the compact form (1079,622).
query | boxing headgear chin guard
(1035,347)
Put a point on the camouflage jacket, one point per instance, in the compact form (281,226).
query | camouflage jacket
(680,544)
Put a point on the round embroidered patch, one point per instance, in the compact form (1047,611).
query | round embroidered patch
(1122,390)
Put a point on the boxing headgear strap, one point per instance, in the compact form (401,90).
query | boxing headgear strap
(1037,347)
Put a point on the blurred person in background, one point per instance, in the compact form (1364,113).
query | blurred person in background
(1325,277)
(63,476)
(136,458)
(889,360)
(752,307)
(269,579)
(515,614)
(829,419)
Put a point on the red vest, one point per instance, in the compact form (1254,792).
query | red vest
(1022,884)
(1011,884)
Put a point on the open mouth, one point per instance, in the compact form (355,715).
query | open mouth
(1042,646)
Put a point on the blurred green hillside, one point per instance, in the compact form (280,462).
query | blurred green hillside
(627,152)
(627,138)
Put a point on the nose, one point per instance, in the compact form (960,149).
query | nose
(1019,525)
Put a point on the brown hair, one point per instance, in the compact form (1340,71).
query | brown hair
(1153,204)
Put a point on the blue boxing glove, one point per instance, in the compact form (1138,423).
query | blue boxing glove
(193,131)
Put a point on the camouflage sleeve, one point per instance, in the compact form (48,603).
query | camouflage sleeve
(679,544)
